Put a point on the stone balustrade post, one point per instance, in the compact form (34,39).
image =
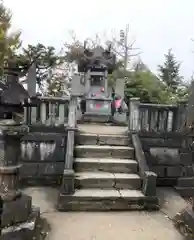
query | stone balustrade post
(68,175)
(134,114)
(179,117)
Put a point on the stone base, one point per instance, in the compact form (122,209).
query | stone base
(87,117)
(16,211)
(184,221)
(27,230)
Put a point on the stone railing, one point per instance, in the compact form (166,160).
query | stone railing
(156,117)
(148,177)
(44,147)
(47,111)
(68,175)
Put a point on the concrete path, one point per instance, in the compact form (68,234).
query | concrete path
(132,225)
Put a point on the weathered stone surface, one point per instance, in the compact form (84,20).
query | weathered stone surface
(106,200)
(16,211)
(105,165)
(88,151)
(9,182)
(107,180)
(164,156)
(27,230)
(37,147)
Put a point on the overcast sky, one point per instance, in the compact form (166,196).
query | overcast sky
(157,25)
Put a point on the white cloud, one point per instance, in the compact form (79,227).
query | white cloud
(157,24)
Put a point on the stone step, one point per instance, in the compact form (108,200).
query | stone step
(106,200)
(185,182)
(112,165)
(102,139)
(185,191)
(94,151)
(106,180)
(102,129)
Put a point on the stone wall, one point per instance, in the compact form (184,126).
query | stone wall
(167,155)
(43,158)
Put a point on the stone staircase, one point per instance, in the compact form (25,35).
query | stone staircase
(106,176)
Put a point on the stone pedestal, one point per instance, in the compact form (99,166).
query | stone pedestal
(18,217)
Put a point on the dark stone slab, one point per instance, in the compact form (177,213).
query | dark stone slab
(48,129)
(185,191)
(28,169)
(147,143)
(164,135)
(159,170)
(164,156)
(166,182)
(185,182)
(16,211)
(173,171)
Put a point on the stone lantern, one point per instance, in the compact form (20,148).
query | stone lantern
(18,217)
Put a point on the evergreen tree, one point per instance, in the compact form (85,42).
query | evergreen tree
(9,41)
(170,71)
